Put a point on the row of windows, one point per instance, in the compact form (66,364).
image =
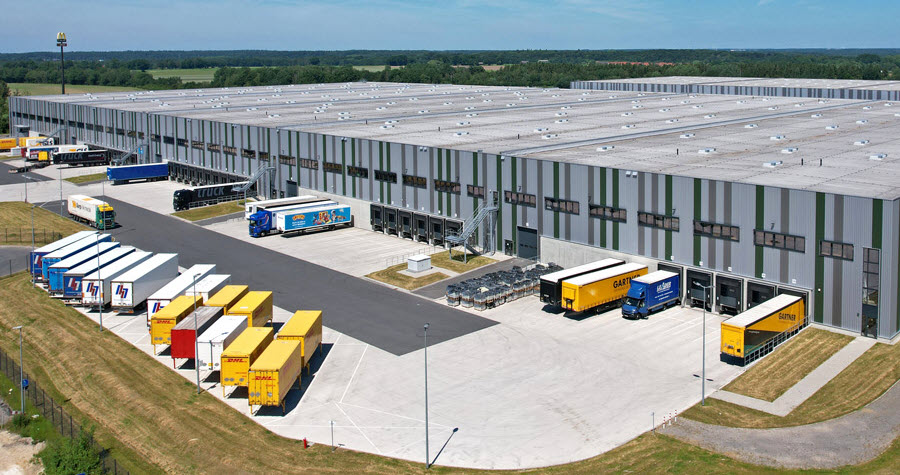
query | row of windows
(608,213)
(287,160)
(715,230)
(308,163)
(331,167)
(247,153)
(839,250)
(416,181)
(229,150)
(476,191)
(520,198)
(779,241)
(382,175)
(447,186)
(669,223)
(357,172)
(564,206)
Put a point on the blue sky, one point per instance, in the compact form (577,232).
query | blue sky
(451,24)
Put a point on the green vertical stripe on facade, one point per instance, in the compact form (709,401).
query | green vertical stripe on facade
(820,261)
(449,178)
(388,168)
(698,211)
(555,195)
(760,224)
(344,167)
(324,174)
(381,167)
(353,162)
(475,183)
(514,186)
(499,211)
(297,159)
(668,255)
(440,176)
(615,204)
(602,203)
(175,144)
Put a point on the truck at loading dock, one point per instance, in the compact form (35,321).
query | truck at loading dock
(147,171)
(747,336)
(241,354)
(273,374)
(551,284)
(278,203)
(206,195)
(601,288)
(266,222)
(652,292)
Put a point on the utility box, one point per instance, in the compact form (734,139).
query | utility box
(418,263)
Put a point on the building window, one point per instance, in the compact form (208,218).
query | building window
(475,191)
(229,150)
(247,153)
(169,140)
(287,160)
(357,172)
(871,278)
(141,135)
(310,164)
(109,130)
(155,137)
(120,131)
(779,241)
(197,144)
(382,175)
(608,213)
(214,147)
(718,231)
(837,250)
(131,133)
(416,181)
(659,221)
(524,199)
(264,156)
(564,206)
(333,167)
(182,142)
(447,186)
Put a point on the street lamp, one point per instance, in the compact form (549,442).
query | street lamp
(21,372)
(196,343)
(100,301)
(61,42)
(31,264)
(703,372)
(427,463)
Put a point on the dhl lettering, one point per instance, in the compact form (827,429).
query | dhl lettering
(235,360)
(787,316)
(165,322)
(264,378)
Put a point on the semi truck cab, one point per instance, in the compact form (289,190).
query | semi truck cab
(260,223)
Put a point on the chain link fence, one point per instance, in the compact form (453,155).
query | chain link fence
(52,411)
(23,236)
(11,266)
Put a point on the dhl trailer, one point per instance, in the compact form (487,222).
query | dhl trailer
(746,333)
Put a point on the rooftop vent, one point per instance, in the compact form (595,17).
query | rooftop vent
(465,122)
(790,150)
(541,129)
(765,99)
(387,126)
(685,102)
(389,122)
(862,121)
(665,110)
(626,114)
(555,95)
(511,104)
(343,113)
(751,126)
(460,134)
(380,108)
(561,121)
(865,108)
(709,116)
(773,164)
(815,116)
(628,126)
(488,100)
(706,151)
(697,106)
(468,108)
(423,111)
(686,136)
(740,102)
(613,96)
(777,137)
(635,101)
(637,107)
(561,114)
(878,156)
(391,103)
(549,136)
(448,103)
(888,104)
(474,114)
(252,109)
(831,127)
(665,99)
(413,98)
(605,148)
(799,104)
(861,142)
(565,107)
(773,108)
(671,121)
(470,97)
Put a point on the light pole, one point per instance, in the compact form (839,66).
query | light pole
(61,42)
(21,372)
(427,463)
(100,301)
(332,436)
(703,371)
(60,191)
(31,264)
(196,343)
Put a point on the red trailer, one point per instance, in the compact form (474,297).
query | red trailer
(184,334)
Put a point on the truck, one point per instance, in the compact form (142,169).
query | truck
(206,195)
(36,257)
(85,158)
(70,250)
(43,153)
(56,272)
(216,338)
(163,321)
(228,296)
(177,286)
(209,286)
(251,207)
(601,288)
(95,286)
(652,292)
(241,354)
(551,284)
(256,306)
(131,289)
(184,334)
(304,326)
(129,173)
(73,277)
(265,222)
(746,336)
(91,211)
(273,374)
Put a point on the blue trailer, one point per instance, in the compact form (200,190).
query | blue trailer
(36,257)
(72,278)
(148,171)
(652,292)
(70,250)
(55,283)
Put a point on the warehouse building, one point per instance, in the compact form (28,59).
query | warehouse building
(752,187)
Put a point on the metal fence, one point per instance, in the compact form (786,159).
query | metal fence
(51,410)
(11,266)
(24,236)
(770,345)
(402,258)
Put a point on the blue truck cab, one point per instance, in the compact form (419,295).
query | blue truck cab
(652,292)
(261,223)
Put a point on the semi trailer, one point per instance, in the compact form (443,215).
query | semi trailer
(131,289)
(253,206)
(70,250)
(265,222)
(163,321)
(91,211)
(601,288)
(95,287)
(129,173)
(36,257)
(228,296)
(241,354)
(56,272)
(206,195)
(264,219)
(273,374)
(73,277)
(551,284)
(255,306)
(652,292)
(209,286)
(184,334)
(216,338)
(177,286)
(304,326)
(86,158)
(747,336)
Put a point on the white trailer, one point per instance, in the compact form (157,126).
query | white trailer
(253,206)
(94,212)
(216,338)
(72,278)
(176,287)
(38,254)
(92,293)
(208,286)
(56,272)
(132,288)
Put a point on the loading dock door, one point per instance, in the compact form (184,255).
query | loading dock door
(436,226)
(799,293)
(678,270)
(527,240)
(420,228)
(697,296)
(375,218)
(391,224)
(406,224)
(292,190)
(757,293)
(728,295)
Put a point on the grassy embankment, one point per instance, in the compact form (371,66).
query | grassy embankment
(43,89)
(86,178)
(212,211)
(15,224)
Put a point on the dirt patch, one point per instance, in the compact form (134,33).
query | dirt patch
(18,455)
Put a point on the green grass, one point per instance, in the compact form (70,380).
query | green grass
(186,75)
(212,211)
(456,264)
(392,276)
(15,224)
(86,178)
(43,89)
(38,428)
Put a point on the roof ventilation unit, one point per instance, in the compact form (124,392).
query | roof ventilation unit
(637,106)
(665,110)
(380,108)
(665,99)
(685,102)
(831,127)
(862,121)
(391,103)
(799,104)
(561,121)
(751,126)
(555,95)
(773,164)
(474,114)
(561,114)
(626,114)
(878,156)
(773,108)
(605,148)
(460,134)
(466,122)
(865,108)
(488,100)
(468,108)
(423,111)
(413,98)
(389,122)
(790,150)
(777,137)
(709,116)
(613,96)
(628,126)
(697,106)
(741,102)
(635,101)
(686,136)
(706,151)
(549,136)
(448,103)
(511,104)
(815,116)
(387,126)
(565,107)
(888,104)
(671,121)
(861,142)
(541,129)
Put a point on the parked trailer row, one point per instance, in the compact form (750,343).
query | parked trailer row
(228,296)
(73,277)
(744,336)
(7,144)
(596,289)
(551,284)
(273,373)
(162,322)
(208,286)
(91,211)
(184,334)
(129,173)
(95,287)
(304,326)
(241,354)
(36,256)
(56,272)
(70,250)
(256,306)
(176,287)
(216,338)
(131,289)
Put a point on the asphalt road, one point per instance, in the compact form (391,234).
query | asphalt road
(382,317)
(7,178)
(13,259)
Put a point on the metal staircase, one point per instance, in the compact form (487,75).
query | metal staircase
(253,179)
(49,136)
(485,217)
(121,160)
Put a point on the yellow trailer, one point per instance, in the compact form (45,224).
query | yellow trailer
(241,353)
(747,332)
(606,286)
(228,296)
(8,144)
(256,306)
(161,322)
(306,327)
(273,374)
